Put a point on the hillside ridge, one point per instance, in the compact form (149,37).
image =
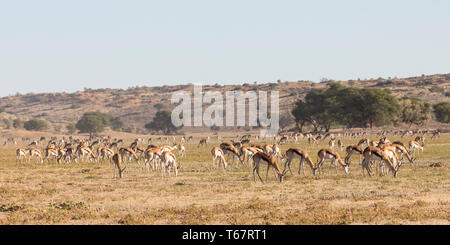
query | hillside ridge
(135,105)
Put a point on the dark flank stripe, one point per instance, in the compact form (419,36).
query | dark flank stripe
(355,148)
(377,153)
(265,156)
(299,153)
(331,153)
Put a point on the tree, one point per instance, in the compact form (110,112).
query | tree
(96,122)
(350,106)
(35,125)
(414,111)
(379,107)
(71,128)
(302,115)
(322,108)
(93,122)
(162,122)
(442,112)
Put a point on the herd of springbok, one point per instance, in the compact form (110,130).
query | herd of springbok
(385,155)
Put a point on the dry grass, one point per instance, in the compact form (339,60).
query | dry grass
(201,194)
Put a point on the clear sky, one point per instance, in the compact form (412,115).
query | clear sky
(48,46)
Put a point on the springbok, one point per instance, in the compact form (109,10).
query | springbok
(328,153)
(266,158)
(117,161)
(303,156)
(216,152)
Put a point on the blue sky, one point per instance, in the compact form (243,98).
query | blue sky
(49,46)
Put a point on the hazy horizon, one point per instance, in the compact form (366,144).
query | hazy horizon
(54,46)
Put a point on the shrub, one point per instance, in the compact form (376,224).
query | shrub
(442,112)
(35,125)
(437,89)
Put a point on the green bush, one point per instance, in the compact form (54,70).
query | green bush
(442,112)
(35,125)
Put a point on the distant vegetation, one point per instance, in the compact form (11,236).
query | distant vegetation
(442,112)
(349,106)
(71,128)
(339,105)
(35,125)
(162,122)
(96,122)
(414,111)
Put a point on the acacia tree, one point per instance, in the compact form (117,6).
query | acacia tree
(96,122)
(379,107)
(162,122)
(340,105)
(35,125)
(302,115)
(414,111)
(92,122)
(322,108)
(442,112)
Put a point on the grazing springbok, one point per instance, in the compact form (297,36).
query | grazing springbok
(328,153)
(152,154)
(117,161)
(21,155)
(105,153)
(303,156)
(373,153)
(170,162)
(229,148)
(128,153)
(34,152)
(355,149)
(401,149)
(216,152)
(247,153)
(51,153)
(414,147)
(271,162)
(393,157)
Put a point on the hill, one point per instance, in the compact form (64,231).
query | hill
(135,106)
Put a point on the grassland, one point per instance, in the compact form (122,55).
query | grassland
(85,193)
